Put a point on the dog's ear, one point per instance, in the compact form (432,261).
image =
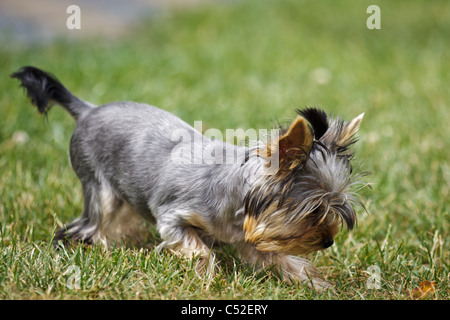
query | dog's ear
(347,136)
(295,144)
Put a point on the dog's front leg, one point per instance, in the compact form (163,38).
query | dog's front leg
(292,268)
(180,235)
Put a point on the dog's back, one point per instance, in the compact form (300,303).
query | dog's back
(124,144)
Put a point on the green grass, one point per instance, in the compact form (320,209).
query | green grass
(243,64)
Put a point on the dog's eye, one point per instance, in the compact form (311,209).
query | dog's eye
(315,216)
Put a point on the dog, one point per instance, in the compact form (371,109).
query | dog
(123,154)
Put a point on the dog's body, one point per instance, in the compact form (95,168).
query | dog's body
(123,154)
(124,151)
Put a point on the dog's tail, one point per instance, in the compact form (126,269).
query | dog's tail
(44,89)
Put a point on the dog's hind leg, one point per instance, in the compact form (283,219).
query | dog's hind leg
(106,219)
(84,228)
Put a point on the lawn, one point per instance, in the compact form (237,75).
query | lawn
(243,64)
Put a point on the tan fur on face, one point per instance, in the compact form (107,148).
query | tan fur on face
(269,232)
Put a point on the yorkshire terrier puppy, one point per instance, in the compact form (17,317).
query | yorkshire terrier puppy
(124,155)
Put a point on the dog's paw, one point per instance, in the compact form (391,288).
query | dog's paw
(205,265)
(320,284)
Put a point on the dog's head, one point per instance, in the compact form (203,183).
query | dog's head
(303,205)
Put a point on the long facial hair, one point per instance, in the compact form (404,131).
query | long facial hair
(301,207)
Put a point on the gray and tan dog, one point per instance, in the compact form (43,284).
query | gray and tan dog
(123,154)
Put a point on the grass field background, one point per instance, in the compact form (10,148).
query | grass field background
(243,64)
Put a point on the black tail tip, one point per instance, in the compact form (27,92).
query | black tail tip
(41,87)
(34,81)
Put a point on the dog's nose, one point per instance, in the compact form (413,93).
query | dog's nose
(328,243)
